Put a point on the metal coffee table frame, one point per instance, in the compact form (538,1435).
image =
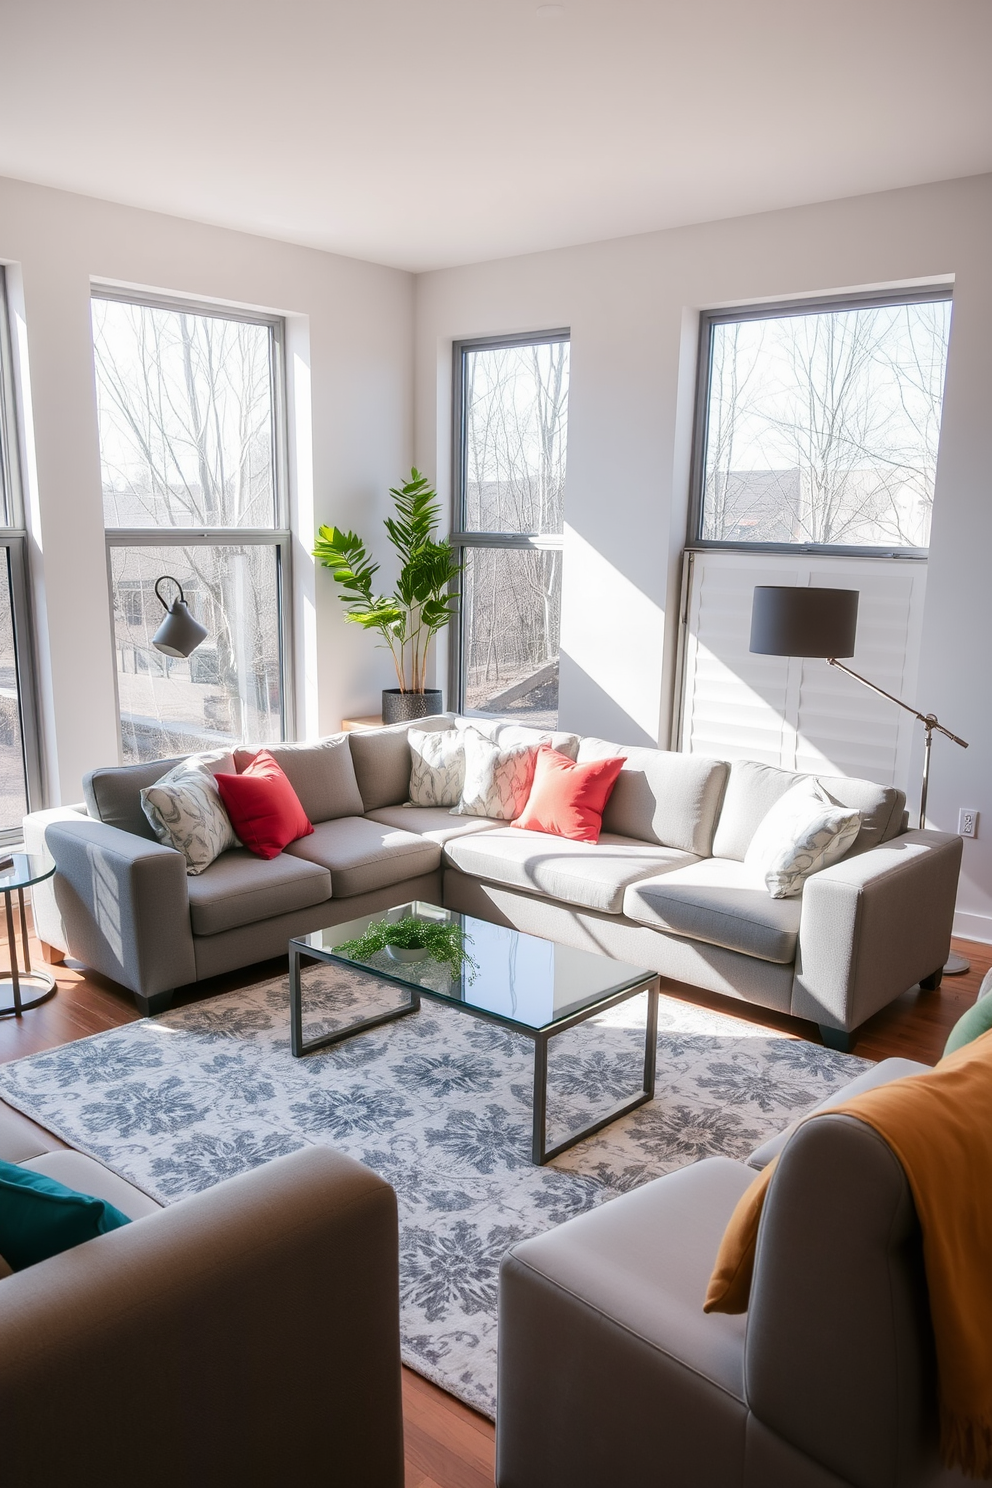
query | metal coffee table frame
(540,1151)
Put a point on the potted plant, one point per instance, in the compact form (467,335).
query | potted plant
(413,939)
(421,604)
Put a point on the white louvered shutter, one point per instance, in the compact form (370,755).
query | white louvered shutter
(800,713)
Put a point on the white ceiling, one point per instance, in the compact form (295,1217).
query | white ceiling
(424,133)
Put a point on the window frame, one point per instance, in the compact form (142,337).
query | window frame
(460,537)
(279,536)
(782,309)
(14,539)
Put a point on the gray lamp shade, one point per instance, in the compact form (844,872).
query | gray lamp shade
(179,633)
(786,621)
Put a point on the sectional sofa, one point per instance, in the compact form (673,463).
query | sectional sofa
(665,887)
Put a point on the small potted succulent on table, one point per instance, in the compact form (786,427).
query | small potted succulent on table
(421,604)
(412,939)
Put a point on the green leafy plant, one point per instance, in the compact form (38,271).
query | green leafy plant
(442,940)
(423,600)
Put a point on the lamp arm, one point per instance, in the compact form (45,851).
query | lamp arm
(929,720)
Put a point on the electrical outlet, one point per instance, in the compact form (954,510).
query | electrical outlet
(967,822)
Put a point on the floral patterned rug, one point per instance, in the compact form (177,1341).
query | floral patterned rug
(438,1103)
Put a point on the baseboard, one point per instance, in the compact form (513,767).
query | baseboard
(972,926)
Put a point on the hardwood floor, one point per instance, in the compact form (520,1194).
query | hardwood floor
(447,1444)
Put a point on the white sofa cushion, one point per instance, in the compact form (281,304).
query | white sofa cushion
(660,796)
(516,733)
(753,789)
(433,822)
(363,855)
(720,901)
(590,875)
(802,833)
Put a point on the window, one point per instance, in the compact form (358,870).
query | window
(511,417)
(820,425)
(20,766)
(190,407)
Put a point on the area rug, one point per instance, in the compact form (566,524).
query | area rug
(438,1103)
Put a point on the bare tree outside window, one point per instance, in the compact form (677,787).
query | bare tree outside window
(515,418)
(822,427)
(187,406)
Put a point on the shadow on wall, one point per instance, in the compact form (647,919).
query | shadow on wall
(586,708)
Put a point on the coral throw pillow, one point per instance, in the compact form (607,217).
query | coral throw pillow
(265,810)
(566,799)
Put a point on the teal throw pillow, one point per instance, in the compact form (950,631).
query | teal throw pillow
(40,1217)
(976,1021)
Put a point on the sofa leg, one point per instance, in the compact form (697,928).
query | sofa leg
(149,1006)
(932,982)
(837,1038)
(52,954)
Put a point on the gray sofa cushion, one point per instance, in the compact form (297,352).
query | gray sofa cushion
(753,789)
(720,901)
(661,796)
(322,775)
(239,888)
(433,822)
(363,855)
(592,875)
(609,1370)
(382,765)
(88,1176)
(113,793)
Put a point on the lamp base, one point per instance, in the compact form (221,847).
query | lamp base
(955,965)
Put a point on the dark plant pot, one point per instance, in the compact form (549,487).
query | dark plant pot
(402,707)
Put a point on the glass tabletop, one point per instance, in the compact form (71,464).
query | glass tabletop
(516,978)
(19,870)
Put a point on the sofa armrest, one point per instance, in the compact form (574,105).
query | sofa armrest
(123,904)
(246,1336)
(873,925)
(47,920)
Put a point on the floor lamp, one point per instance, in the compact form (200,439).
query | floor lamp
(789,621)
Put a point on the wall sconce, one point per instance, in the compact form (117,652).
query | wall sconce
(179,633)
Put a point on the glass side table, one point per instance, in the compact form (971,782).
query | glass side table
(18,871)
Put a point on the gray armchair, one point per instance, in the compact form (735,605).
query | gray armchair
(610,1373)
(242,1338)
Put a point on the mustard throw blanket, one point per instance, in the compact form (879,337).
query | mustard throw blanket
(939,1126)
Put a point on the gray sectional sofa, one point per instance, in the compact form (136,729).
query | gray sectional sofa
(665,887)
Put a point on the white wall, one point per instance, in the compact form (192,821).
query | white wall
(632,305)
(349,369)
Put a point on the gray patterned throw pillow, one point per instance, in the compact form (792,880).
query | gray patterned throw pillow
(186,812)
(497,780)
(803,832)
(437,767)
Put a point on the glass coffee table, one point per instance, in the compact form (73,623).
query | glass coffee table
(533,986)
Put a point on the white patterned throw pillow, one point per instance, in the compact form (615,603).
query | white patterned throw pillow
(802,833)
(497,779)
(437,767)
(186,812)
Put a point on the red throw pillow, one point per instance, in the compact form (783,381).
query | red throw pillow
(566,799)
(265,810)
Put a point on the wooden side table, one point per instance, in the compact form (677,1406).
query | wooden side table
(25,869)
(348,724)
